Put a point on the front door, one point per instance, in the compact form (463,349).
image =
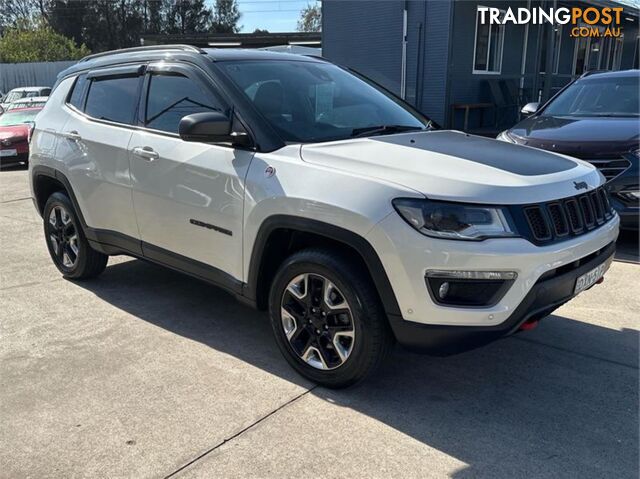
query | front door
(188,197)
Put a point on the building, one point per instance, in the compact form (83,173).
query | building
(451,65)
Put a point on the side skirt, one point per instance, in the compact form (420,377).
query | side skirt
(112,243)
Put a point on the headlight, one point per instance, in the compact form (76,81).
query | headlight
(636,153)
(455,220)
(504,136)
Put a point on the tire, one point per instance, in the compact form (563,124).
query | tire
(339,339)
(66,242)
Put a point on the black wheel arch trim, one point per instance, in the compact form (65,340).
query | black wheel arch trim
(331,232)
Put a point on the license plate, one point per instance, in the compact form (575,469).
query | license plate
(590,278)
(8,153)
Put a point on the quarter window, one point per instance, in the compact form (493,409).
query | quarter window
(77,93)
(113,98)
(173,96)
(488,46)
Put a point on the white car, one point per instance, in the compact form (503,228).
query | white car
(24,92)
(31,102)
(307,190)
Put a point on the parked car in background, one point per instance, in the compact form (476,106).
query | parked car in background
(32,102)
(15,129)
(25,92)
(597,119)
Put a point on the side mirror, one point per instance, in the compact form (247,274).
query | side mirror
(210,127)
(530,108)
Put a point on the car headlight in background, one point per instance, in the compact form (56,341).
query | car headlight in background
(504,136)
(441,219)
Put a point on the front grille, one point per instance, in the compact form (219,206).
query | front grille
(610,168)
(569,217)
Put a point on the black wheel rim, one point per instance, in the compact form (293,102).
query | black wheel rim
(63,237)
(317,321)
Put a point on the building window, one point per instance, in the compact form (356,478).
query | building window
(488,47)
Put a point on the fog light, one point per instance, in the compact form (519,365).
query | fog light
(468,288)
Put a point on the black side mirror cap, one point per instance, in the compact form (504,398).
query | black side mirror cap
(530,108)
(211,127)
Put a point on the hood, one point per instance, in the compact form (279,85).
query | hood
(451,165)
(589,137)
(14,131)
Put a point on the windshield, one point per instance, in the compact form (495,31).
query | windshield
(605,96)
(311,101)
(14,95)
(18,117)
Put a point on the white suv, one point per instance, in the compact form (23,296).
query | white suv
(307,190)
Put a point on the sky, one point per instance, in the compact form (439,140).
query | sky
(272,15)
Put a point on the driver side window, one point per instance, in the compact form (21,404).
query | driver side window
(172,96)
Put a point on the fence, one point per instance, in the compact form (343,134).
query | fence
(15,75)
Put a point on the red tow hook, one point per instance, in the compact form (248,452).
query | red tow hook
(529,325)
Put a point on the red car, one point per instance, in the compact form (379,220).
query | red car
(15,129)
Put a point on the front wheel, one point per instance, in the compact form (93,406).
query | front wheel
(327,318)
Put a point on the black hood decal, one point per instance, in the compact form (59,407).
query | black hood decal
(497,154)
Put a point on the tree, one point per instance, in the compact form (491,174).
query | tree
(259,31)
(39,45)
(226,16)
(310,19)
(188,16)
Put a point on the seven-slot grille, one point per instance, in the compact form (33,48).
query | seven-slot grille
(568,217)
(612,167)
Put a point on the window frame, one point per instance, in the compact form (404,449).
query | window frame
(475,46)
(192,74)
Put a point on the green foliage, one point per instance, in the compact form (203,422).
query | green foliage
(310,19)
(39,45)
(226,16)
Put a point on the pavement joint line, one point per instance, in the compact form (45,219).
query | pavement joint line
(26,285)
(242,431)
(584,355)
(16,199)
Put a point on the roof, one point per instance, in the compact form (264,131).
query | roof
(30,88)
(228,54)
(177,52)
(612,74)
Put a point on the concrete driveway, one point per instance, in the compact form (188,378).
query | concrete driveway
(147,373)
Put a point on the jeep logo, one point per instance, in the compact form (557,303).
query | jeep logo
(582,185)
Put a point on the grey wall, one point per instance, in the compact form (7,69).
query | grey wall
(14,75)
(365,36)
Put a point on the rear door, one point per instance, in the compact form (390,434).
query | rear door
(188,196)
(94,148)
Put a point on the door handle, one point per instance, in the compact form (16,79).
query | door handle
(146,153)
(72,135)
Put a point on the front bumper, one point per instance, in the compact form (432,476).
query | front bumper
(544,297)
(406,256)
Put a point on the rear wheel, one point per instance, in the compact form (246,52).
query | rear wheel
(68,247)
(327,318)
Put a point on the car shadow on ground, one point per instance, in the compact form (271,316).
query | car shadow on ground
(558,401)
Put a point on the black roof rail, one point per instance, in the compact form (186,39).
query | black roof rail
(186,48)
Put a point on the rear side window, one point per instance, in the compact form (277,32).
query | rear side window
(172,96)
(77,93)
(113,98)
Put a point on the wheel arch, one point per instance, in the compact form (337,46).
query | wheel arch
(281,235)
(45,182)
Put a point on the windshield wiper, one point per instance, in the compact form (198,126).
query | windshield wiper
(383,129)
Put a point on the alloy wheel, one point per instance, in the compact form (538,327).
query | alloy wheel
(317,321)
(63,236)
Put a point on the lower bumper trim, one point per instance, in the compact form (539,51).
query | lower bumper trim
(544,297)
